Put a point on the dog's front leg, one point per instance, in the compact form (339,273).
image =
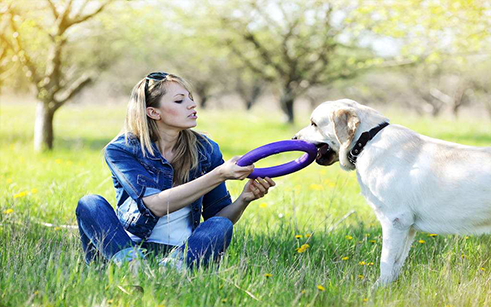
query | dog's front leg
(397,239)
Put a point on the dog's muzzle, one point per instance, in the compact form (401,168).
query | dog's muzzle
(325,154)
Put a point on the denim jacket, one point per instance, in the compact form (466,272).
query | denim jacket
(136,177)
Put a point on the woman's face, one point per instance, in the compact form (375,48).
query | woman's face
(177,109)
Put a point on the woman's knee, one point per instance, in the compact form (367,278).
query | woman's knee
(91,204)
(222,225)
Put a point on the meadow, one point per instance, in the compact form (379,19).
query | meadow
(312,241)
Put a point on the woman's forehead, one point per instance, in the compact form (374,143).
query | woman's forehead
(174,88)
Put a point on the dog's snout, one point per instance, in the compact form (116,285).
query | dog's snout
(295,137)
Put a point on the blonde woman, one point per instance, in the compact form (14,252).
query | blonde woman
(166,177)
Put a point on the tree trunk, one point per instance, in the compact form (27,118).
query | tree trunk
(287,100)
(43,127)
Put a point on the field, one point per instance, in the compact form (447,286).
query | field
(41,261)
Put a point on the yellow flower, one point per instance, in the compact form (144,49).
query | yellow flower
(432,235)
(263,205)
(422,241)
(36,292)
(298,236)
(8,211)
(370,263)
(466,237)
(9,181)
(365,300)
(267,275)
(361,263)
(483,269)
(307,235)
(302,248)
(316,187)
(367,235)
(345,258)
(321,288)
(361,276)
(57,228)
(21,194)
(372,241)
(303,292)
(58,161)
(110,301)
(462,256)
(34,191)
(348,237)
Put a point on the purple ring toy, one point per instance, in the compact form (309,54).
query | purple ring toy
(275,148)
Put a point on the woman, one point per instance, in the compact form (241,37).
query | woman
(166,177)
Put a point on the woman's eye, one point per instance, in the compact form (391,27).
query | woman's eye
(178,101)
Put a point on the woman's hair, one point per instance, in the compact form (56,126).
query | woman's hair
(146,130)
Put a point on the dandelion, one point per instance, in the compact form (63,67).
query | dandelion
(267,275)
(302,248)
(110,301)
(8,211)
(34,191)
(362,263)
(432,235)
(370,263)
(316,187)
(345,258)
(57,228)
(307,235)
(9,181)
(361,276)
(348,237)
(303,292)
(298,236)
(422,241)
(365,300)
(21,194)
(58,161)
(466,237)
(483,269)
(263,205)
(321,288)
(36,292)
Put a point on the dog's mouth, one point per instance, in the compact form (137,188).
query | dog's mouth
(325,154)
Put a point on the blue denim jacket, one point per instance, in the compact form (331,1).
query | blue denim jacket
(136,177)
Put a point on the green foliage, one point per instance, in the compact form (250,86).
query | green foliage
(43,265)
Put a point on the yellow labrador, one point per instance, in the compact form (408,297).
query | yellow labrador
(411,181)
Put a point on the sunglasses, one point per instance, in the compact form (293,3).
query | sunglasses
(154,76)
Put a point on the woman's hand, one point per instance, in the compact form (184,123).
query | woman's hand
(230,170)
(256,188)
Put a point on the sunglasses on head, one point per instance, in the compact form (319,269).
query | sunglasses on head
(155,76)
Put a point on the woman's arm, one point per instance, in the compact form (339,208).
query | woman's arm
(254,189)
(173,199)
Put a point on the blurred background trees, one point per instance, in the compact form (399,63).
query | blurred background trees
(429,56)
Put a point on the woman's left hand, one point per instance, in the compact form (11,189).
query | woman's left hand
(256,188)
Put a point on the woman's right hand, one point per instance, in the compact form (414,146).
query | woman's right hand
(230,169)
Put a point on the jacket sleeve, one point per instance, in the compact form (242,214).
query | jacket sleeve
(135,179)
(219,197)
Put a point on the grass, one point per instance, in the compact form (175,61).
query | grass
(43,266)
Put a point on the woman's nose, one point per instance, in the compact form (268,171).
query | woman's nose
(192,105)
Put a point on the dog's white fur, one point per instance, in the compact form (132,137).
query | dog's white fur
(412,182)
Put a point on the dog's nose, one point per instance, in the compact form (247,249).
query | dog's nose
(295,137)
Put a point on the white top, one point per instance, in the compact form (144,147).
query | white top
(171,229)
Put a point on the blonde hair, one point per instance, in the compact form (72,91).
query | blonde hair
(146,130)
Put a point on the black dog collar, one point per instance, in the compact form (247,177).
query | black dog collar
(363,140)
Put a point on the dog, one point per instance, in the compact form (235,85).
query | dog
(412,182)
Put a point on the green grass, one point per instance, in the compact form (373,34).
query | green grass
(43,266)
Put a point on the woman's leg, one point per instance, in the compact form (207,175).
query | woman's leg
(210,239)
(100,229)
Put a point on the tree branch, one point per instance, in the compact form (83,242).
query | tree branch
(78,18)
(75,87)
(53,9)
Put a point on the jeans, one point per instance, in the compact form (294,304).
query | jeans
(102,234)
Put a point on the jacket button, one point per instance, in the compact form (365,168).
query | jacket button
(196,209)
(196,223)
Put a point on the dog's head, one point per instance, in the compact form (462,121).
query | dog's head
(334,125)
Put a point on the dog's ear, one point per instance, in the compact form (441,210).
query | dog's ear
(345,123)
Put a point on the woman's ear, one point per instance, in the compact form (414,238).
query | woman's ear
(153,113)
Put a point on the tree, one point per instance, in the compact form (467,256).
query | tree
(293,45)
(41,48)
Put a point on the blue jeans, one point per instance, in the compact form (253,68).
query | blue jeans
(102,234)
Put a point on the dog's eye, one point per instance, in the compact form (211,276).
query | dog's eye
(313,124)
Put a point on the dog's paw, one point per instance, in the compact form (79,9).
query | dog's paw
(382,282)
